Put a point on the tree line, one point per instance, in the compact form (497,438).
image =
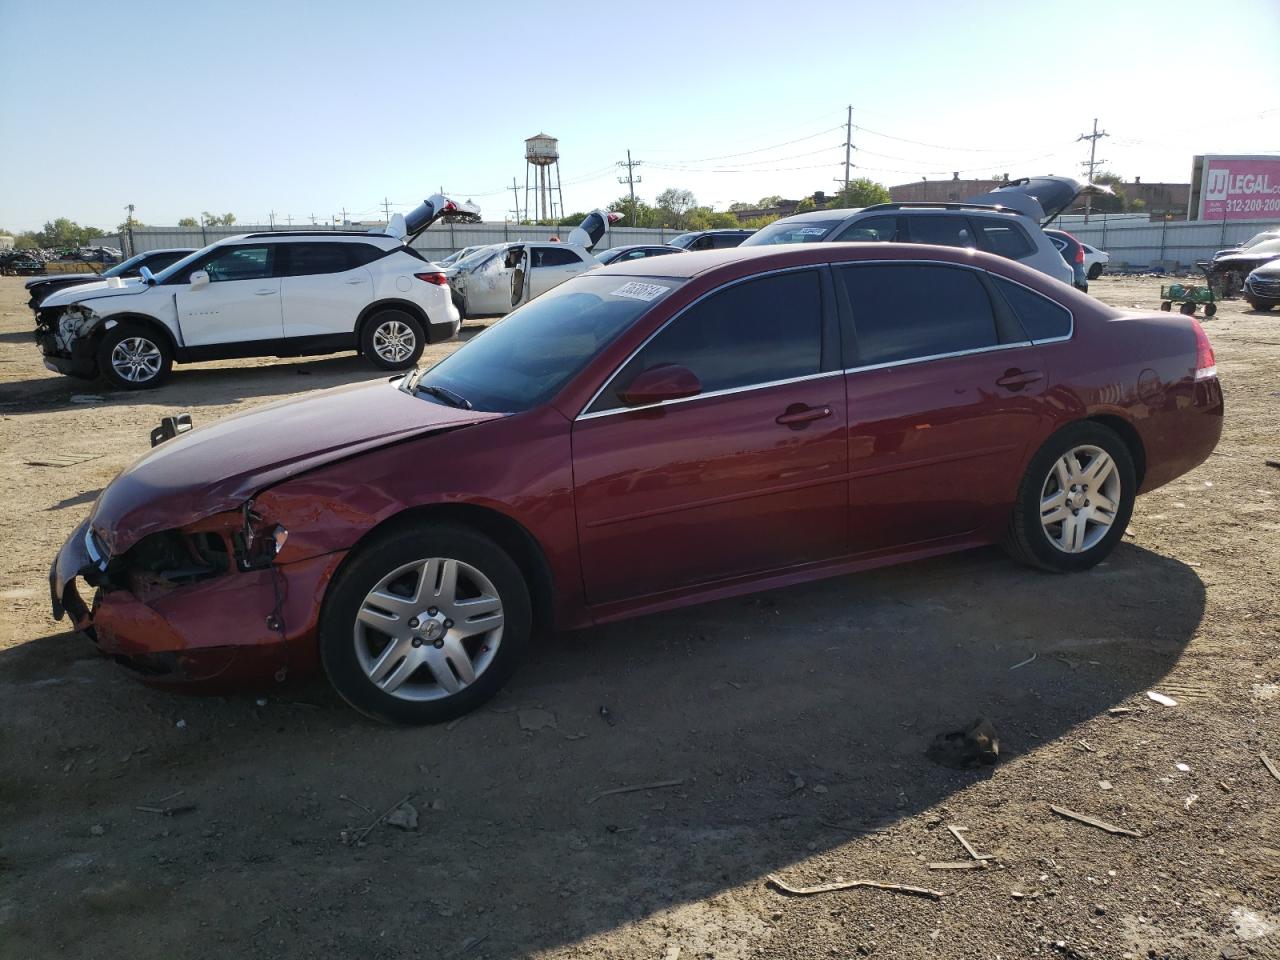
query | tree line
(64,233)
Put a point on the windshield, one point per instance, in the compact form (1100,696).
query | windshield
(683,240)
(792,231)
(120,269)
(523,359)
(1259,238)
(477,257)
(1265,248)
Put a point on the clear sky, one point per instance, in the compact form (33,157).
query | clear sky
(311,107)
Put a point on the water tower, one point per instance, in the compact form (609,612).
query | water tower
(542,166)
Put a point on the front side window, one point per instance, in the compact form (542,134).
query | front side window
(554,257)
(305,259)
(683,240)
(912,311)
(871,230)
(750,333)
(239,263)
(525,358)
(1006,238)
(941,229)
(1041,318)
(723,241)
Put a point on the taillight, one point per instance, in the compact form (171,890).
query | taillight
(1079,249)
(1206,363)
(439,279)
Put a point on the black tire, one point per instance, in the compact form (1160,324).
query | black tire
(393,321)
(460,303)
(139,341)
(1260,307)
(1166,305)
(1095,271)
(378,559)
(1210,309)
(1026,539)
(1189,309)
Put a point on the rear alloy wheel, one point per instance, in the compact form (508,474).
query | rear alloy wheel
(426,625)
(392,340)
(132,357)
(1074,501)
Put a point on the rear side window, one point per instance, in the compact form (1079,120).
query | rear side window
(751,333)
(911,311)
(553,257)
(1005,238)
(722,241)
(360,254)
(944,230)
(309,259)
(1041,318)
(871,230)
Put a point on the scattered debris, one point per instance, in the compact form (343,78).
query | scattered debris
(1270,765)
(97,830)
(786,888)
(1093,821)
(671,953)
(1183,767)
(470,943)
(453,723)
(181,724)
(357,803)
(536,719)
(1161,699)
(973,746)
(1023,663)
(168,811)
(1019,895)
(606,716)
(404,816)
(261,701)
(819,788)
(357,838)
(1251,925)
(62,459)
(1104,784)
(1189,801)
(1120,711)
(959,865)
(1087,747)
(657,785)
(87,398)
(958,833)
(1273,463)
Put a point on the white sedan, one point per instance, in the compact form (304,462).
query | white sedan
(1095,261)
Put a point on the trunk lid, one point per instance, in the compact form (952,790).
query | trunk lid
(593,228)
(1041,198)
(407,226)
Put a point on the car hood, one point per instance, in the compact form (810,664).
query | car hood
(1245,258)
(217,468)
(113,287)
(1269,271)
(63,277)
(1041,198)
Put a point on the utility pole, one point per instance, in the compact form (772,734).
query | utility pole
(344,216)
(1093,163)
(515,192)
(631,180)
(848,146)
(289,219)
(313,219)
(128,226)
(386,210)
(271,219)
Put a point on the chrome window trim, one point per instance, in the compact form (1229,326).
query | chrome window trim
(940,356)
(713,393)
(582,414)
(1071,314)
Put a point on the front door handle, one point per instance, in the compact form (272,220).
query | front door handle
(799,415)
(1015,379)
(263,293)
(356,280)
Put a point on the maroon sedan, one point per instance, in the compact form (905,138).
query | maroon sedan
(642,437)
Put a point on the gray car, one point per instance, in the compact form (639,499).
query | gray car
(1008,221)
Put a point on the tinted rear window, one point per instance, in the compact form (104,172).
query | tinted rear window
(1041,318)
(911,311)
(1006,238)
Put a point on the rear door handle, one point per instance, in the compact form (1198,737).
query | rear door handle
(798,415)
(263,293)
(356,280)
(1017,379)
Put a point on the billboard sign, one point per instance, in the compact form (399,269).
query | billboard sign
(1240,188)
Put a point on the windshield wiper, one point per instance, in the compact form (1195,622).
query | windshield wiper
(448,396)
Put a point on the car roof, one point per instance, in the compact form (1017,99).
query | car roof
(166,250)
(309,236)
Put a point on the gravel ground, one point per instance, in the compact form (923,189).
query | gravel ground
(142,824)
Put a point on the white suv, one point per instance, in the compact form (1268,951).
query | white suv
(282,294)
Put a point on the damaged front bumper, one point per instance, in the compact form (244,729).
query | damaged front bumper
(65,341)
(233,629)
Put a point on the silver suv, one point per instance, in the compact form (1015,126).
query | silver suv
(1008,221)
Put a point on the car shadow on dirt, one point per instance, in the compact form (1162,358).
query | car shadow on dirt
(198,385)
(795,721)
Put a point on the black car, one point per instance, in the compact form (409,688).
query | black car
(20,263)
(636,251)
(154,260)
(1073,252)
(1227,271)
(710,239)
(1262,286)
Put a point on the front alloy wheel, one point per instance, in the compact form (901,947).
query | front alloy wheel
(133,357)
(424,624)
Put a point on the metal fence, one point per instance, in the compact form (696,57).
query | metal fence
(435,243)
(1135,242)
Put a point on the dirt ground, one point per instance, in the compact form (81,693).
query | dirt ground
(795,721)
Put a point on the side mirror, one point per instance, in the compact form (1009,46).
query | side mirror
(199,280)
(666,381)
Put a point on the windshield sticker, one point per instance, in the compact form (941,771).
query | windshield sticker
(811,231)
(640,291)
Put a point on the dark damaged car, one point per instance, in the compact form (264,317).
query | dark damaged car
(641,437)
